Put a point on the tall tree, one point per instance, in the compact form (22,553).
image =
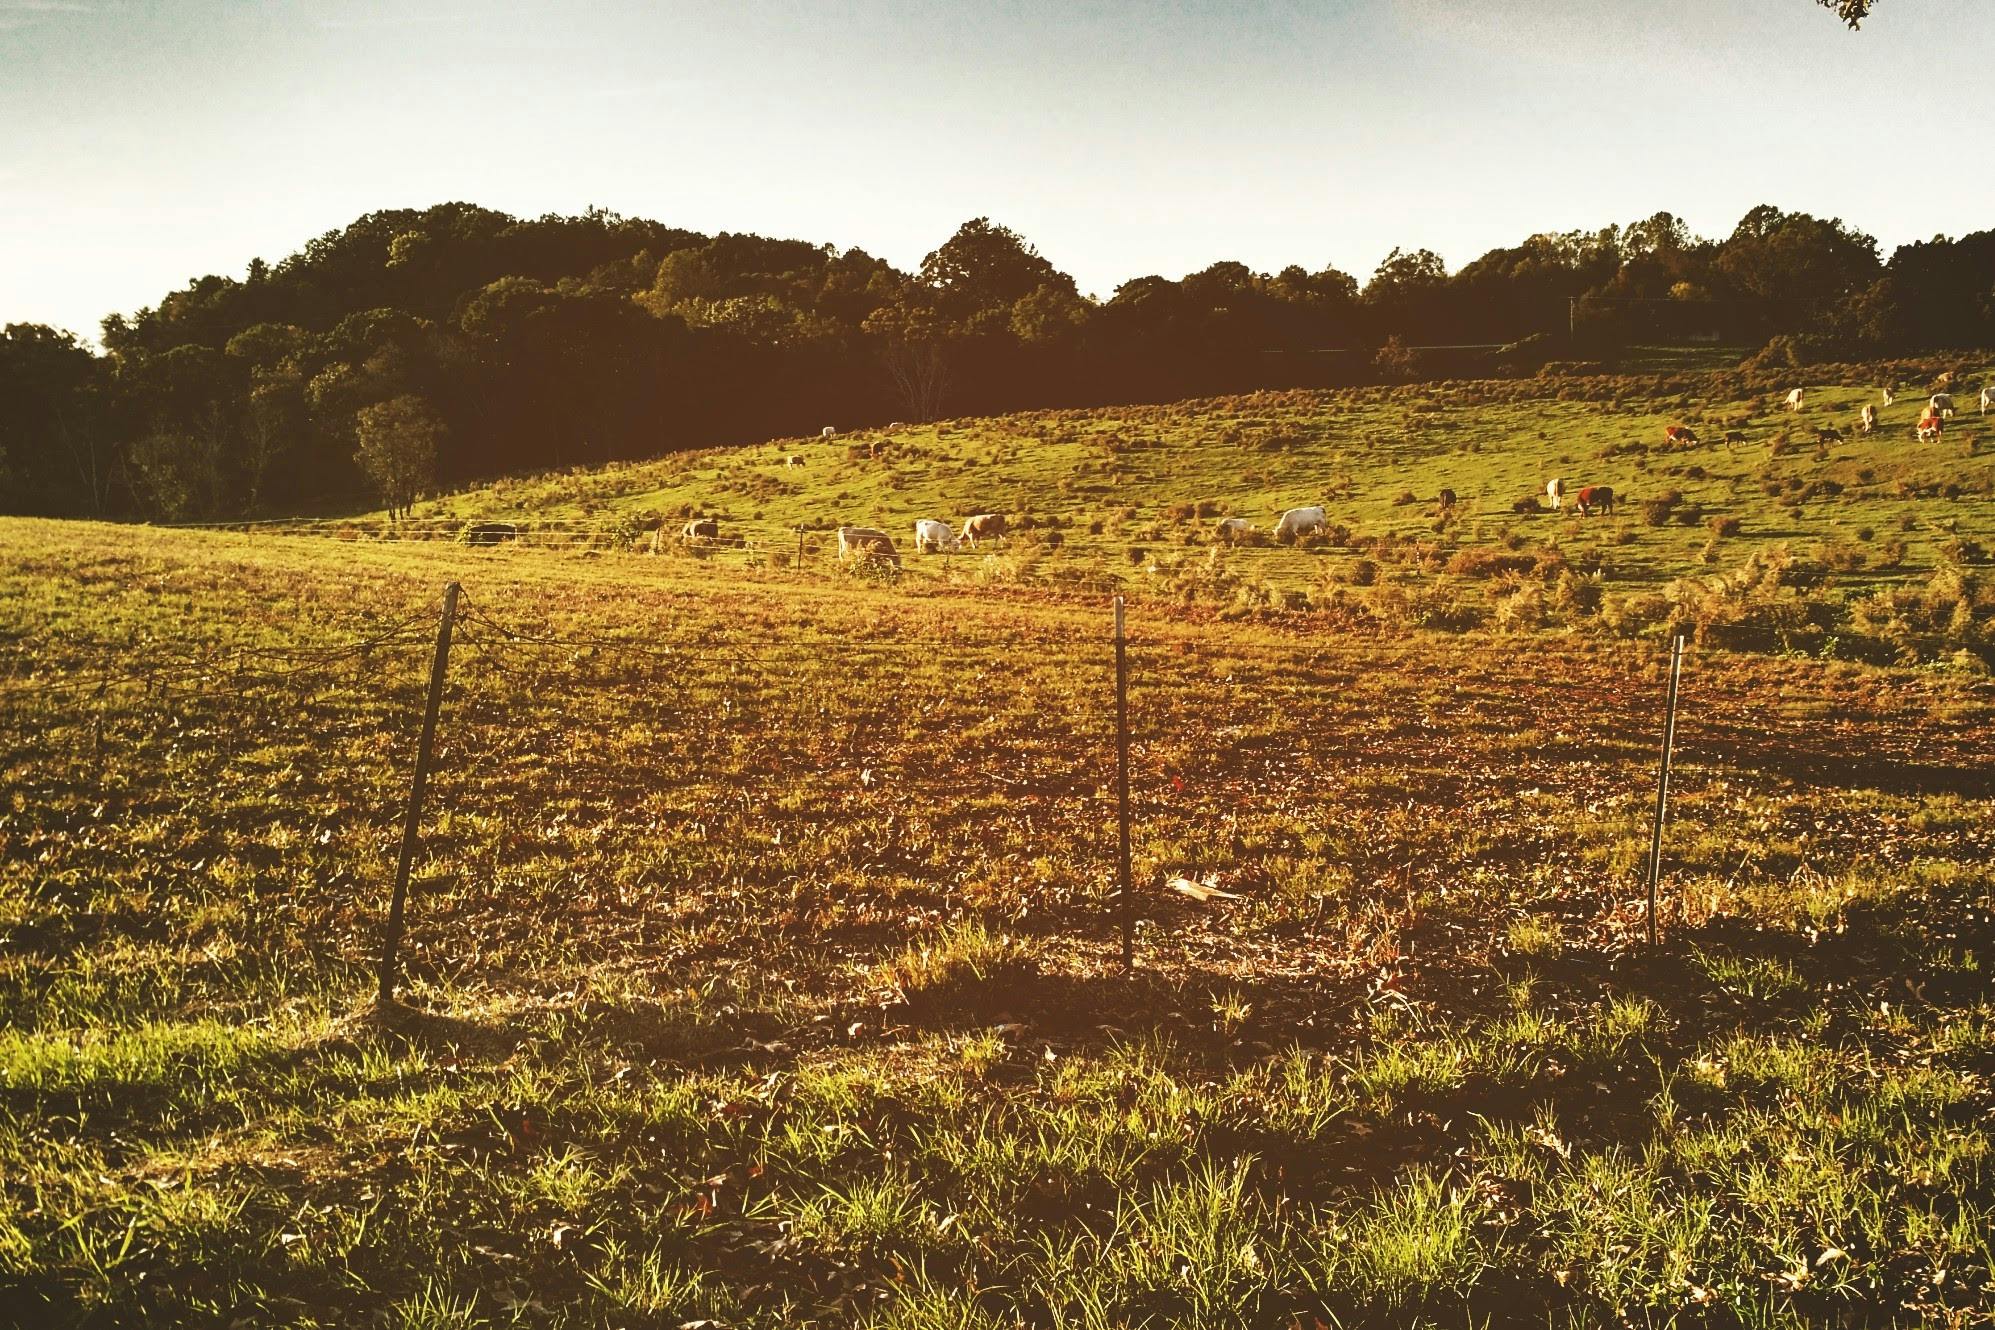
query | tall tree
(1852,12)
(398,448)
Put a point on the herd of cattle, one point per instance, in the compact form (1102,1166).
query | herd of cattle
(936,537)
(1932,421)
(868,542)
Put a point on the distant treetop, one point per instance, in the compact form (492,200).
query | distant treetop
(1852,12)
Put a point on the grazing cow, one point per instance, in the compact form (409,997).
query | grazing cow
(933,537)
(1794,399)
(1941,405)
(1445,501)
(1931,425)
(1866,419)
(490,533)
(984,526)
(700,528)
(1555,489)
(1679,435)
(896,427)
(1828,434)
(1890,396)
(1987,399)
(1944,381)
(794,459)
(1229,527)
(866,542)
(1734,437)
(1300,522)
(1594,496)
(828,432)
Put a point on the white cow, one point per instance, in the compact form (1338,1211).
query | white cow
(1987,399)
(1889,397)
(933,537)
(828,432)
(865,541)
(1942,405)
(1794,399)
(1555,490)
(1230,526)
(1866,419)
(1300,522)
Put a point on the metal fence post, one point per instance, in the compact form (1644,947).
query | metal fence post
(392,942)
(1662,779)
(1127,891)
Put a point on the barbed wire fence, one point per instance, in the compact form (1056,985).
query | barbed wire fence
(760,716)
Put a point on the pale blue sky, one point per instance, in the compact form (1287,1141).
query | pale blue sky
(142,144)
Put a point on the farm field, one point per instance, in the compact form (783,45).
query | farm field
(762,964)
(1128,498)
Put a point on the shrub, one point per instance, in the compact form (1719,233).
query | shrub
(1488,563)
(1364,573)
(1964,551)
(1576,594)
(1723,526)
(1521,609)
(1629,615)
(1656,511)
(1397,362)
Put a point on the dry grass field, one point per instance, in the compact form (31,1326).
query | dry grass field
(762,966)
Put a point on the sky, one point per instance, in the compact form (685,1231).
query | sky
(143,144)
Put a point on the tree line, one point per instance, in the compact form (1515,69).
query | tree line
(413,349)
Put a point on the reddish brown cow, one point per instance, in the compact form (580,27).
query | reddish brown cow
(1680,435)
(984,526)
(1594,496)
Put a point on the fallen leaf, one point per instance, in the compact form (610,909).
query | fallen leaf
(1200,891)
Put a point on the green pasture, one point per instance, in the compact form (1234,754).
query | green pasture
(762,969)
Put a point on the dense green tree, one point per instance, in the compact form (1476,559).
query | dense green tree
(59,451)
(983,270)
(551,341)
(399,442)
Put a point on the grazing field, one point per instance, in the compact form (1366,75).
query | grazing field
(762,966)
(1771,541)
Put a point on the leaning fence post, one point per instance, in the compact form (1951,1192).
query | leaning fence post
(393,941)
(1128,895)
(1662,778)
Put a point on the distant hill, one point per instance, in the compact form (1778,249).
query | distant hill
(1130,497)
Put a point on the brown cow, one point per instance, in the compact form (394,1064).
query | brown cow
(1679,435)
(700,528)
(984,526)
(866,542)
(1594,496)
(1828,434)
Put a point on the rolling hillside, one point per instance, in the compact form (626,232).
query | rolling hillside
(1128,497)
(763,963)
